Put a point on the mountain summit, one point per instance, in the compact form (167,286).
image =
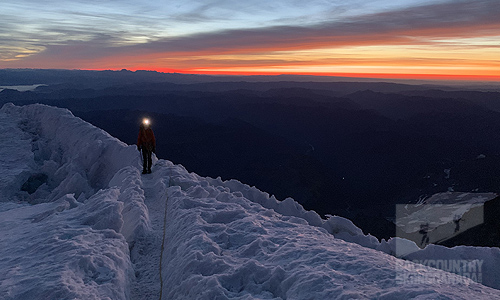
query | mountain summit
(79,221)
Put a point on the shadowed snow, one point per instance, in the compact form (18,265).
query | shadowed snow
(79,221)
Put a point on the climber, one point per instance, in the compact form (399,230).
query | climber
(147,143)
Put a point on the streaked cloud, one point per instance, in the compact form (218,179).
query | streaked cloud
(199,35)
(408,26)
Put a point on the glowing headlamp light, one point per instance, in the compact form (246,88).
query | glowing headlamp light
(146,121)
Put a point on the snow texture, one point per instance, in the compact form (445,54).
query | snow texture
(79,221)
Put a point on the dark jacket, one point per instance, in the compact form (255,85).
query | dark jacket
(146,139)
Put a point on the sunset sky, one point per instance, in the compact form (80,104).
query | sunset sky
(365,38)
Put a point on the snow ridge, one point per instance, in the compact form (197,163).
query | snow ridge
(65,233)
(230,247)
(79,221)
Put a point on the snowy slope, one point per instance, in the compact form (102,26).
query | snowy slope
(53,246)
(231,247)
(78,221)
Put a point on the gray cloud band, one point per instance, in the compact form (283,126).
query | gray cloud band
(406,26)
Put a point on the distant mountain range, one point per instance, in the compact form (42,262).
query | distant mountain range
(353,149)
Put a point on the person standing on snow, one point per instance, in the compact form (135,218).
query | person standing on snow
(147,143)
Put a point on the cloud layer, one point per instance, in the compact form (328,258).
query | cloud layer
(193,38)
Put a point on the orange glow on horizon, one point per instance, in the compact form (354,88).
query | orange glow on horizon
(435,40)
(407,76)
(461,58)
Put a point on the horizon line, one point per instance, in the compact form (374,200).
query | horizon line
(365,76)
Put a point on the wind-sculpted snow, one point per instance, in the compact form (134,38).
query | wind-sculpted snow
(76,156)
(16,156)
(340,227)
(484,262)
(79,221)
(64,232)
(229,247)
(64,250)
